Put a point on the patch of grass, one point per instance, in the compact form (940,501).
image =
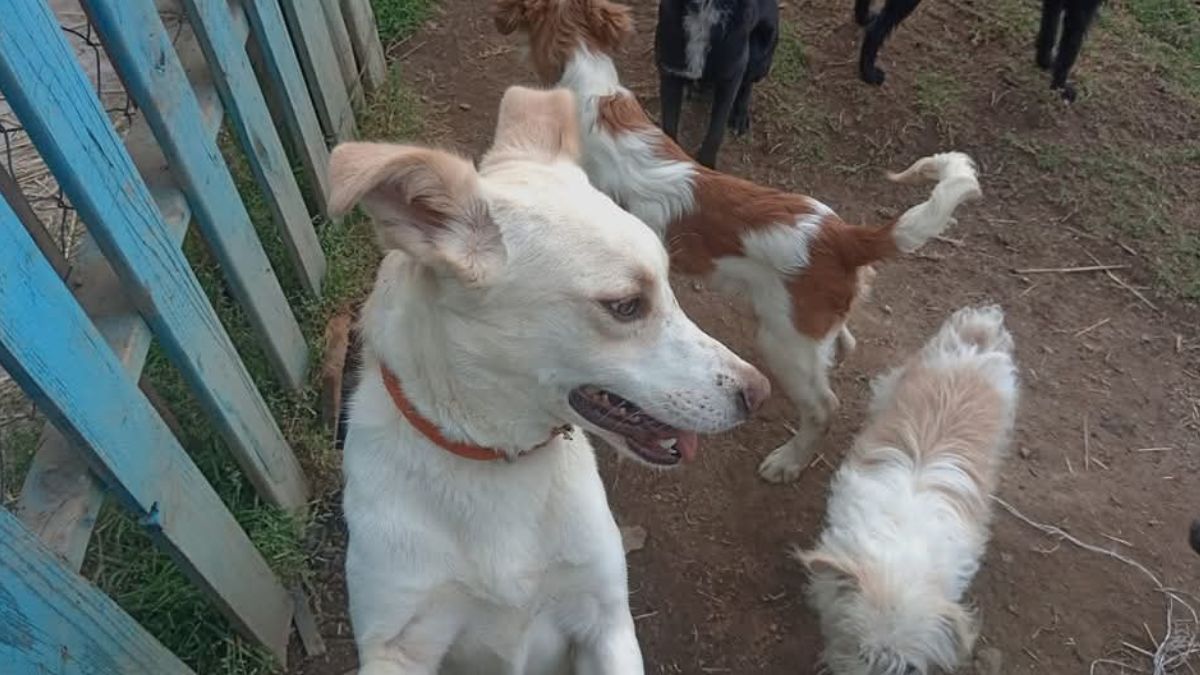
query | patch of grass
(399,18)
(1017,20)
(394,113)
(938,93)
(790,64)
(18,442)
(1164,33)
(1174,22)
(1181,269)
(1047,156)
(122,560)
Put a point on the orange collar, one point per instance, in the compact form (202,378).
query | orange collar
(430,430)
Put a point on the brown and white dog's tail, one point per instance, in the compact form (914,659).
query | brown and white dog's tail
(956,183)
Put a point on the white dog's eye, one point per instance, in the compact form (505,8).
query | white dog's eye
(626,309)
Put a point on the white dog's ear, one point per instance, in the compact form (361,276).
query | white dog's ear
(820,561)
(425,202)
(536,123)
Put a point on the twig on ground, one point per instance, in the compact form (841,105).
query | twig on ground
(1087,446)
(1181,638)
(1117,539)
(1070,270)
(1084,331)
(950,240)
(1165,448)
(1121,282)
(412,51)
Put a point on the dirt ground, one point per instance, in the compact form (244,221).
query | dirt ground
(1107,179)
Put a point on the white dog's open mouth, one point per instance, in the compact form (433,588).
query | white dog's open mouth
(652,440)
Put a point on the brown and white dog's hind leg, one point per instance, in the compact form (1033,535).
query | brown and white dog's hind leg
(801,366)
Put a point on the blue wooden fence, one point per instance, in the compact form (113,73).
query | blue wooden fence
(78,351)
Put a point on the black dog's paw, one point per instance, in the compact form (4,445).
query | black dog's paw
(1067,91)
(872,74)
(739,122)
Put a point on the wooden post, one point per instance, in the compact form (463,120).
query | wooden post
(286,80)
(340,35)
(310,35)
(364,35)
(247,109)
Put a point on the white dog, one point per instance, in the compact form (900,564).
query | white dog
(909,507)
(518,305)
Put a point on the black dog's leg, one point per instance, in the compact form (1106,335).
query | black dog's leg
(726,91)
(739,119)
(892,14)
(670,93)
(1194,537)
(1048,34)
(1075,26)
(862,12)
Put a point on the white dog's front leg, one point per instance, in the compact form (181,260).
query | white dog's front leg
(417,650)
(613,650)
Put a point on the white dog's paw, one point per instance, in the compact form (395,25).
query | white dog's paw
(781,466)
(846,344)
(380,668)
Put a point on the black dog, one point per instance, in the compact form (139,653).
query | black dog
(1075,15)
(726,44)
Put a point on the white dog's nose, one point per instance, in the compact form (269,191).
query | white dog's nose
(755,390)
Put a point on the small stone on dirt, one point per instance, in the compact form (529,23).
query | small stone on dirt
(1025,452)
(464,106)
(633,537)
(988,661)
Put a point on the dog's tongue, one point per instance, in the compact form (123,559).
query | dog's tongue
(688,443)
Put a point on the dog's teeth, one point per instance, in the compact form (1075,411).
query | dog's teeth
(668,444)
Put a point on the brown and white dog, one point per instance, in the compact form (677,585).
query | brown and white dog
(801,266)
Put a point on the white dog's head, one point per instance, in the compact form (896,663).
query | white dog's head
(886,619)
(543,301)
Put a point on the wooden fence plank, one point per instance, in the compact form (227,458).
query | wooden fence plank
(54,101)
(287,80)
(342,47)
(60,498)
(310,35)
(63,364)
(138,45)
(252,123)
(54,621)
(364,35)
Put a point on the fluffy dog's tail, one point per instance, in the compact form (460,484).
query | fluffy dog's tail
(974,329)
(956,183)
(954,173)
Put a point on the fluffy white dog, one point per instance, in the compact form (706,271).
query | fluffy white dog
(909,508)
(518,305)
